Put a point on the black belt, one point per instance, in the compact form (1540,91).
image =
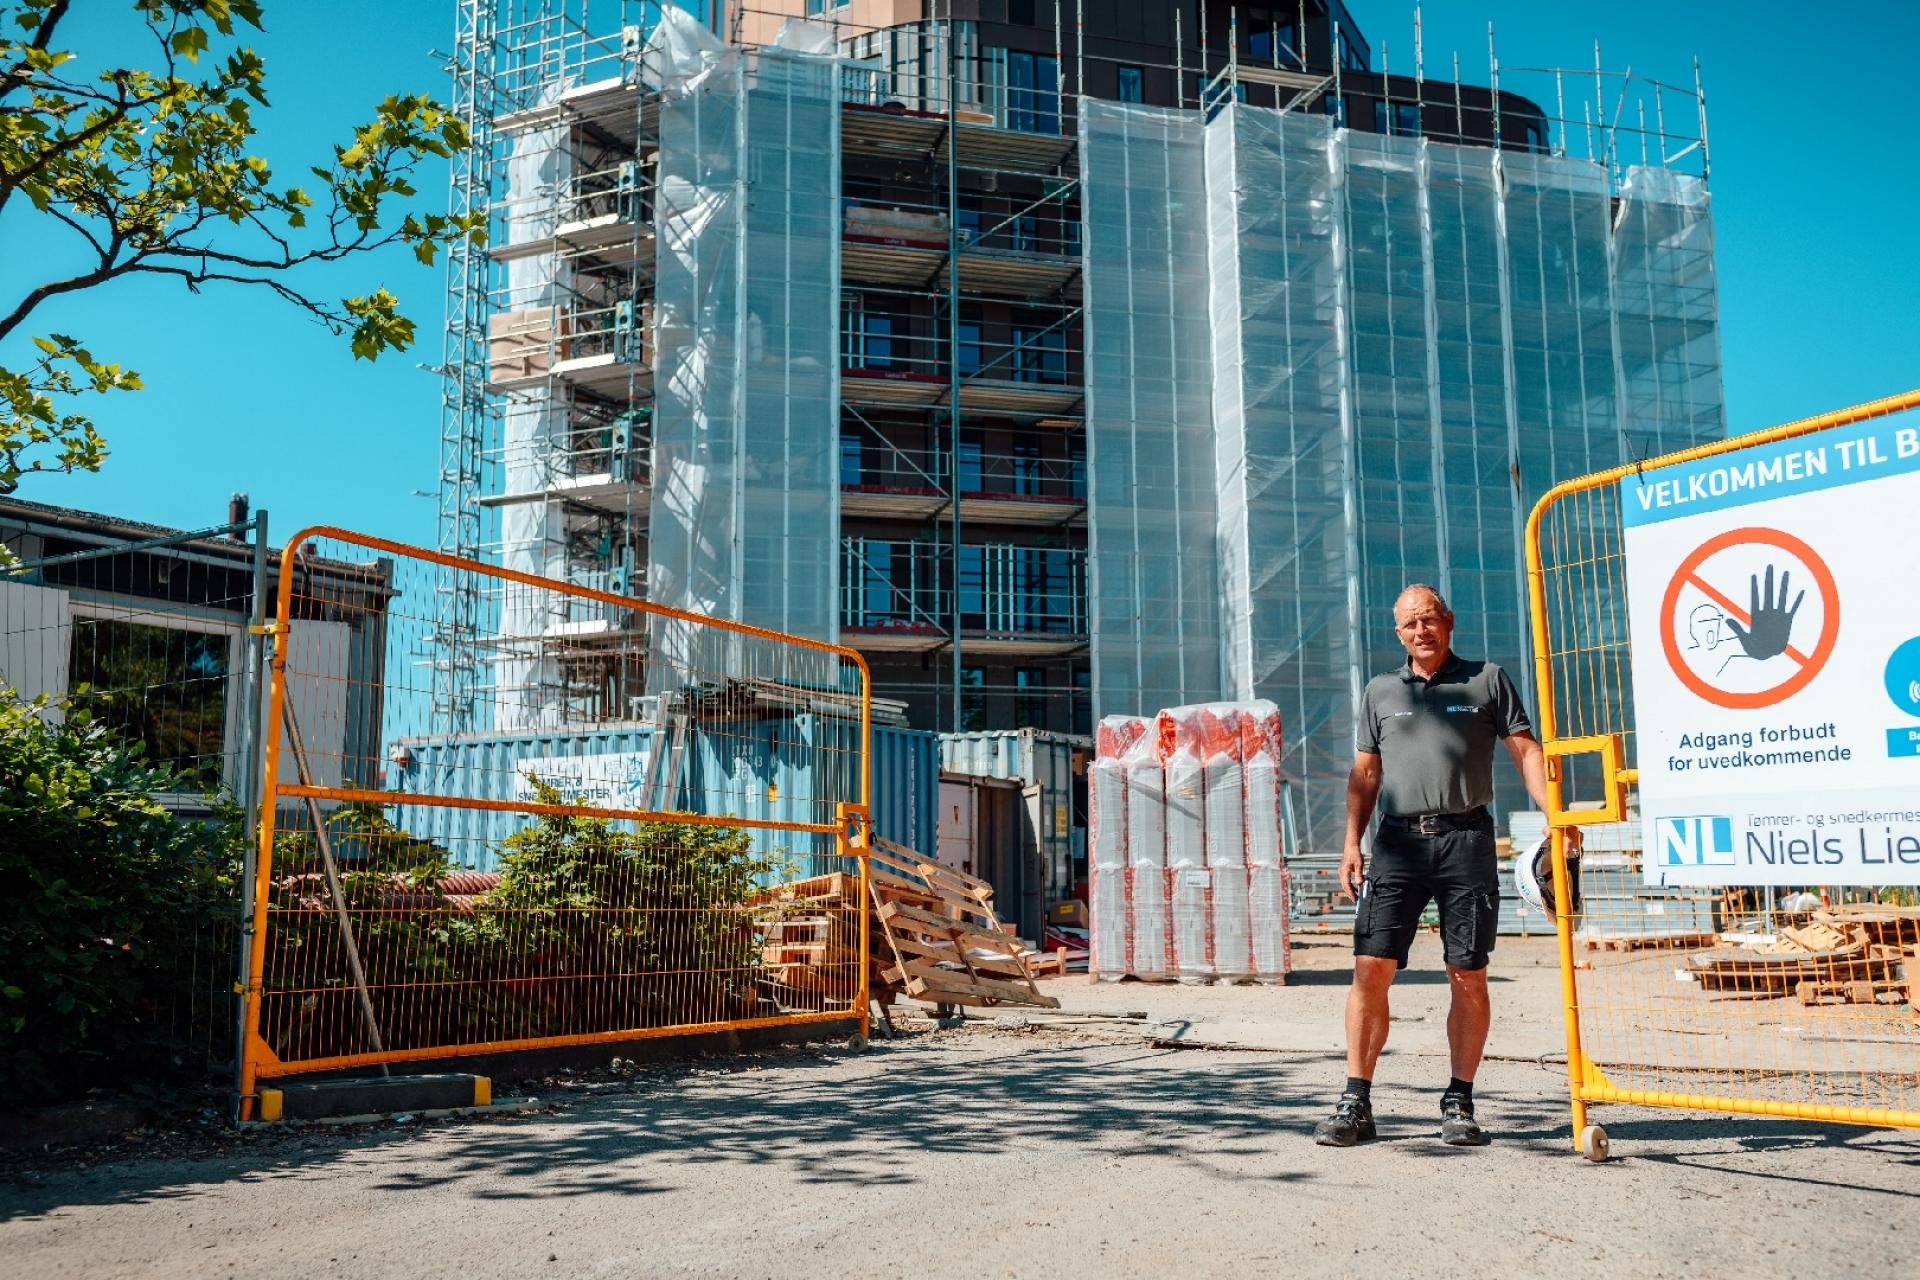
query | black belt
(1433,824)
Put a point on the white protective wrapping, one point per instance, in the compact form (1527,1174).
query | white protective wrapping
(1107,867)
(745,514)
(533,433)
(1200,902)
(1408,342)
(1147,858)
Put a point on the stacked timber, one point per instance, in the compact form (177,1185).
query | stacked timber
(932,936)
(1849,955)
(943,943)
(809,941)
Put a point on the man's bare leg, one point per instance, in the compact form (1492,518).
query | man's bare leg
(1468,1016)
(1367,1014)
(1467,1020)
(1352,1118)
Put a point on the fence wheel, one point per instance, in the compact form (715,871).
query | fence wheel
(1593,1143)
(858,1043)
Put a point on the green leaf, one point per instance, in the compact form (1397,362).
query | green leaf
(190,43)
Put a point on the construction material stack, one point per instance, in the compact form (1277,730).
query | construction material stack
(1188,877)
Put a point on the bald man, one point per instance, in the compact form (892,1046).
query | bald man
(1423,756)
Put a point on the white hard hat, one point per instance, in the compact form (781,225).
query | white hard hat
(1533,876)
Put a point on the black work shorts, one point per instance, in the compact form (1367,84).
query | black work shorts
(1408,870)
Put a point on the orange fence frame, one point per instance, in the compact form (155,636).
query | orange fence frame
(1586,1083)
(851,830)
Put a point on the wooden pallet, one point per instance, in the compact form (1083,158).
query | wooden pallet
(946,944)
(1649,941)
(1858,991)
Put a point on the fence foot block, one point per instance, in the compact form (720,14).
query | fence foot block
(373,1095)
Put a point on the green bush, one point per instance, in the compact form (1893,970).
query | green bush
(658,909)
(103,888)
(592,928)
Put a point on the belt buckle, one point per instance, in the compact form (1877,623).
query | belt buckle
(1428,824)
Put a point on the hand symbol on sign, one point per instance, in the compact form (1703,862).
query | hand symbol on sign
(1766,636)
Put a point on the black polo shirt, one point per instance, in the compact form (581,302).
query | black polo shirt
(1435,737)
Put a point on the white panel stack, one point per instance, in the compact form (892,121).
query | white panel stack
(1106,798)
(1189,803)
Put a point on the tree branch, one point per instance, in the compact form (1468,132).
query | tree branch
(42,37)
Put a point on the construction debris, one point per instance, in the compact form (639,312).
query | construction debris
(1851,955)
(932,936)
(943,941)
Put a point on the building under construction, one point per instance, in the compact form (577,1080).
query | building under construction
(1065,359)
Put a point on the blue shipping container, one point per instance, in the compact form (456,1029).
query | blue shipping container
(788,770)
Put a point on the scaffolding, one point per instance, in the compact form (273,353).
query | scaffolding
(1053,404)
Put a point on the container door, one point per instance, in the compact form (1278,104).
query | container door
(958,821)
(1036,841)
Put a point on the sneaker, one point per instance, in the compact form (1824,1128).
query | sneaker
(1351,1122)
(1458,1128)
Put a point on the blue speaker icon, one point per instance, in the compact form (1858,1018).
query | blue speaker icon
(1903,677)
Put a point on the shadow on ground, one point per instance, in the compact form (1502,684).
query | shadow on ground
(825,1118)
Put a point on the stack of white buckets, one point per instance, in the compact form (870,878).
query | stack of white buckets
(1189,881)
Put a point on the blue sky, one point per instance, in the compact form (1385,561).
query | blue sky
(1816,202)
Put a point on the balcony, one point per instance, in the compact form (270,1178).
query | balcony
(1013,600)
(596,347)
(1040,482)
(1022,365)
(602,468)
(597,220)
(1024,246)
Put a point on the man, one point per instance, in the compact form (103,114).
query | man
(1424,754)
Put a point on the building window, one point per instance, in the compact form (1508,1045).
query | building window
(973,698)
(1406,119)
(1026,468)
(968,356)
(1337,108)
(1379,116)
(867,336)
(1132,85)
(1082,701)
(969,226)
(1353,57)
(1269,37)
(849,459)
(163,686)
(1033,92)
(1030,698)
(972,468)
(1039,351)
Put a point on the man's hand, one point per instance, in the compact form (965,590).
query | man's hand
(1576,838)
(1353,869)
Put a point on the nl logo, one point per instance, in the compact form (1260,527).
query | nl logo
(1695,842)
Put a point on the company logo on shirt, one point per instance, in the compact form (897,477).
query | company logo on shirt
(1462,706)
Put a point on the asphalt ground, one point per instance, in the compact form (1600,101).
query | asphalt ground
(1076,1149)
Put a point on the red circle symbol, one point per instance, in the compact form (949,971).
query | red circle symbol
(1810,663)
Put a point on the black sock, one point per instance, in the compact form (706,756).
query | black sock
(1362,1089)
(1462,1087)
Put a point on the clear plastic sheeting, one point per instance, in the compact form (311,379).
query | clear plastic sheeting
(1406,343)
(1281,390)
(1154,585)
(745,510)
(1669,318)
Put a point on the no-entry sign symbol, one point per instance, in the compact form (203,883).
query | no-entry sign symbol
(1750,618)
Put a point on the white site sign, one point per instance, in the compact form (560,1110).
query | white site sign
(1776,660)
(613,780)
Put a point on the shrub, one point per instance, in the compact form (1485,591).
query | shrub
(103,889)
(657,914)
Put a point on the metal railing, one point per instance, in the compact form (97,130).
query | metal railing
(1004,590)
